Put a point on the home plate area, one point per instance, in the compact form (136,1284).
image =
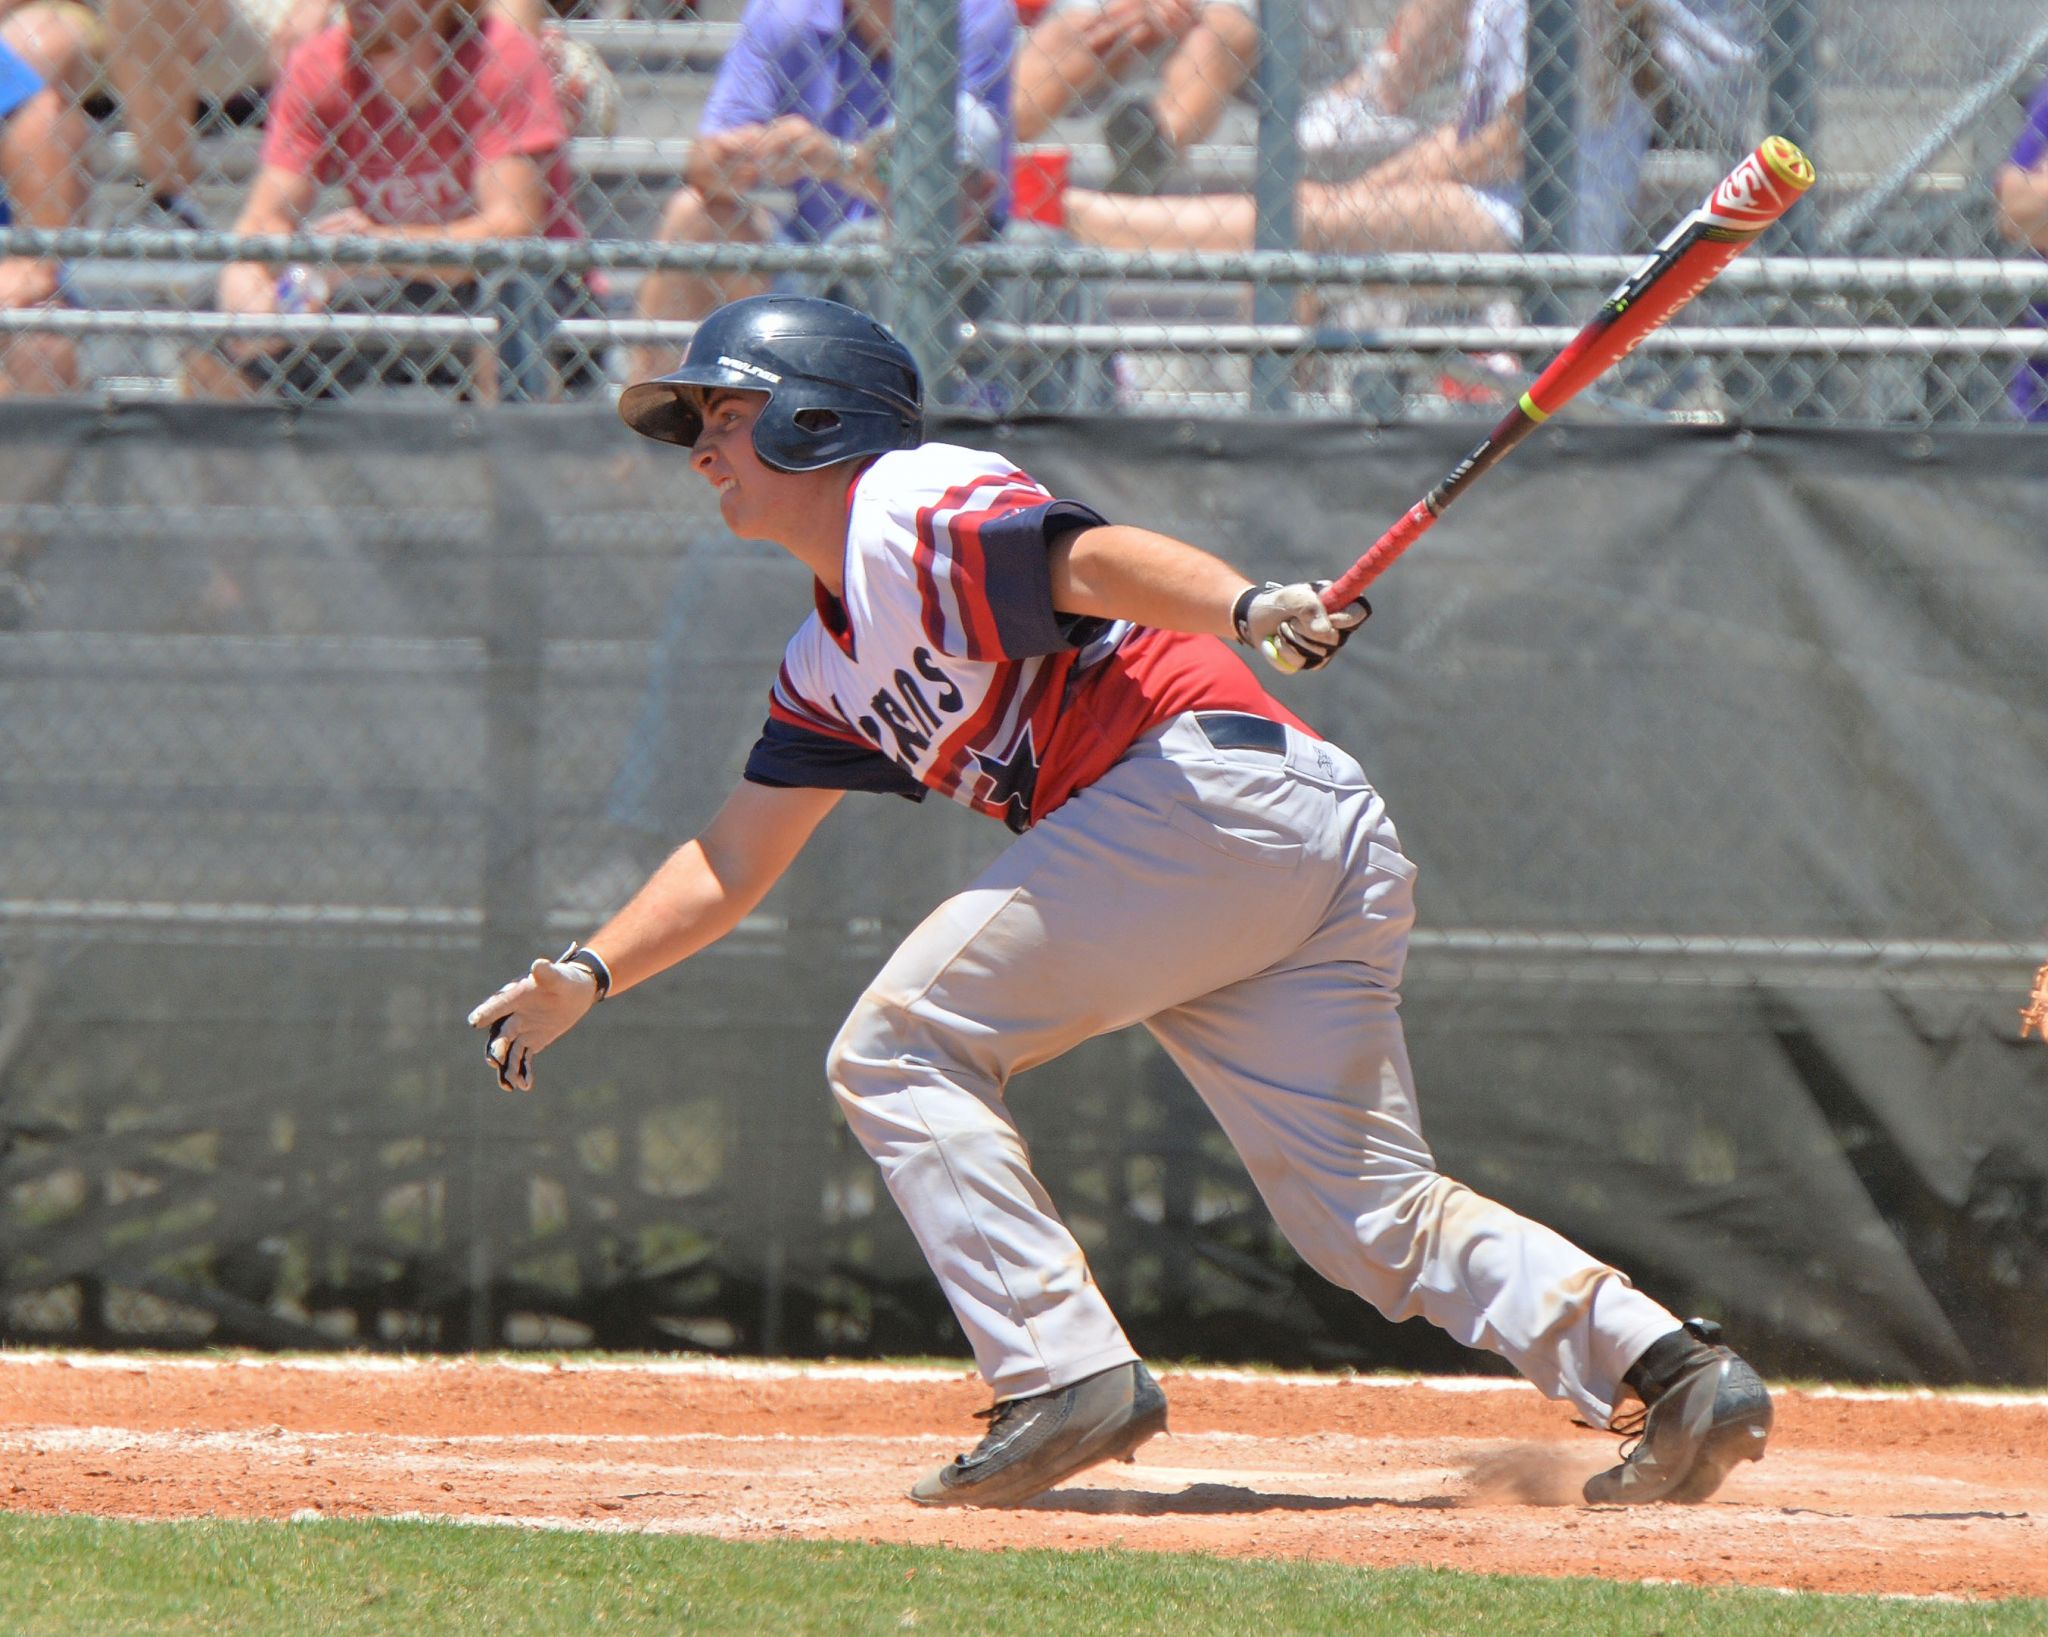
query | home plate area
(1910,1493)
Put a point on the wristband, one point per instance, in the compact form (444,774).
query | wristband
(593,963)
(1242,607)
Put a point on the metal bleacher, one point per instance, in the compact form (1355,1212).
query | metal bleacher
(664,70)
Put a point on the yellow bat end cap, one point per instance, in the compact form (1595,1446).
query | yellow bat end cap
(1787,163)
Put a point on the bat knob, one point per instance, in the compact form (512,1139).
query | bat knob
(1281,657)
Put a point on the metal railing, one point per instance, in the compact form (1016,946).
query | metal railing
(1912,115)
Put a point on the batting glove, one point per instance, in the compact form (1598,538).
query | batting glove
(531,1013)
(1290,626)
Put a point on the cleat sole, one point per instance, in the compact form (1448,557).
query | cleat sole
(1725,1448)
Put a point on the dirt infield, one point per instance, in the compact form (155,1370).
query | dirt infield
(1909,1493)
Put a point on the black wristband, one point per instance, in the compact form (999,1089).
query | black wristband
(1240,608)
(593,963)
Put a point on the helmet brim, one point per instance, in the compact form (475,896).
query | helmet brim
(666,408)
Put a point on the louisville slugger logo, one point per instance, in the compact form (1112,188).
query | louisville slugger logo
(1762,188)
(1745,191)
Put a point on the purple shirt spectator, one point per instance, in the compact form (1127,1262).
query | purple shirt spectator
(2030,380)
(798,57)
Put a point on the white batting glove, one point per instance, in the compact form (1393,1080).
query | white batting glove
(1290,626)
(531,1013)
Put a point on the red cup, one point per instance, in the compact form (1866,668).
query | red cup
(1038,187)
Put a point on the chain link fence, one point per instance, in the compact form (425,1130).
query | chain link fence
(323,725)
(313,724)
(1391,209)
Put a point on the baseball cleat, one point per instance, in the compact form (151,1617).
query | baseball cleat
(1704,1410)
(1033,1443)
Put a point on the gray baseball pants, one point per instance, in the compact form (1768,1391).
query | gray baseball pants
(1251,908)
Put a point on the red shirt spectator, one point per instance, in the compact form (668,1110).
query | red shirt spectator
(330,121)
(438,125)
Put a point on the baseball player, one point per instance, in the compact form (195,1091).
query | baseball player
(1189,856)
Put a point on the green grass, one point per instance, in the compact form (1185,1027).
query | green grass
(421,1579)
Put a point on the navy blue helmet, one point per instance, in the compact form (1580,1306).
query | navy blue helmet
(838,384)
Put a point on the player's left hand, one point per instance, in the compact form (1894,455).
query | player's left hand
(530,1014)
(1292,628)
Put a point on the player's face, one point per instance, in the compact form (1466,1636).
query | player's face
(751,495)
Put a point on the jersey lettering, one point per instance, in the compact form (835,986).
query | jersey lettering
(909,741)
(961,674)
(949,699)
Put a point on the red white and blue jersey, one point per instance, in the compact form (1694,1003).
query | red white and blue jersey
(944,665)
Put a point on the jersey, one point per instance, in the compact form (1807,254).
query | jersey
(943,665)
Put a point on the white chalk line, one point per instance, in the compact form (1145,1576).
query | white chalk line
(1343,1460)
(101,1435)
(721,1369)
(697,1368)
(406,1451)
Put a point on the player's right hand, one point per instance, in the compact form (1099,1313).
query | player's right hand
(530,1014)
(1292,628)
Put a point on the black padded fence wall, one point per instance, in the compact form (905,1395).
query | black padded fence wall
(1724,756)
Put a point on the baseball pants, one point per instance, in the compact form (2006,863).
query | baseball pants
(1251,907)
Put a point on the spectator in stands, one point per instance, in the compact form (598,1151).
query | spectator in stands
(154,49)
(587,90)
(159,60)
(1198,54)
(42,184)
(806,84)
(2023,219)
(440,124)
(1458,187)
(1200,50)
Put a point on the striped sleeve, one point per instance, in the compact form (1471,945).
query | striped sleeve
(790,756)
(808,745)
(984,579)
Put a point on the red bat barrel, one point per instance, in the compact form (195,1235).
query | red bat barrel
(1749,198)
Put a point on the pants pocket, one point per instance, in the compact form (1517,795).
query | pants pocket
(1385,858)
(1274,850)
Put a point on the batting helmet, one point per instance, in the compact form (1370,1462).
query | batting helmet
(838,384)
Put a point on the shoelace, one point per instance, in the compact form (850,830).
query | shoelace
(1628,1425)
(995,1415)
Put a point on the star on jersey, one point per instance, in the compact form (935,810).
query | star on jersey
(1012,783)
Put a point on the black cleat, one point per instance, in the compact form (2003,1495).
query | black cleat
(1033,1443)
(1704,1410)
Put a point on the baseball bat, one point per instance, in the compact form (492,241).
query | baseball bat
(1745,202)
